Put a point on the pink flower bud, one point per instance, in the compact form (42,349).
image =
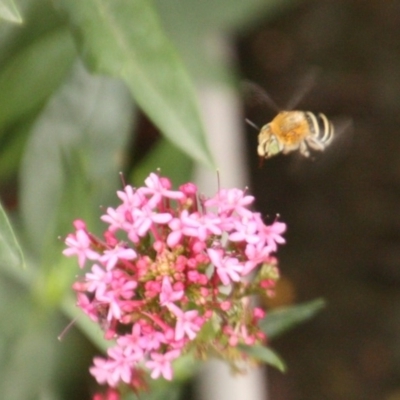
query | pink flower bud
(79,224)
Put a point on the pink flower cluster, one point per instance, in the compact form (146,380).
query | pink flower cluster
(170,264)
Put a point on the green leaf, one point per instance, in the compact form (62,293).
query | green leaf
(85,324)
(185,367)
(31,76)
(124,38)
(12,145)
(10,251)
(86,124)
(29,348)
(39,20)
(9,11)
(264,354)
(160,390)
(282,319)
(199,30)
(33,358)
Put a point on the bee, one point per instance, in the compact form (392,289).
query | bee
(292,130)
(295,130)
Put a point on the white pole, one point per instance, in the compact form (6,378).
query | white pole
(223,119)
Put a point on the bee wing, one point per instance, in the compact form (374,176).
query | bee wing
(336,152)
(305,86)
(344,134)
(256,95)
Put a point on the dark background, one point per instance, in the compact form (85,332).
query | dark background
(343,207)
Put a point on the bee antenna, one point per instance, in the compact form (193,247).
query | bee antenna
(252,124)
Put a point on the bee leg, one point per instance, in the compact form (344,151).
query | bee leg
(315,144)
(304,149)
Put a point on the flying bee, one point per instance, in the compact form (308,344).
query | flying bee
(295,130)
(292,130)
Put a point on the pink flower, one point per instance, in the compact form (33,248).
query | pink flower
(167,294)
(152,340)
(101,371)
(111,394)
(117,219)
(258,253)
(190,192)
(98,279)
(176,234)
(228,268)
(272,234)
(88,307)
(80,245)
(200,226)
(229,201)
(130,198)
(119,288)
(111,257)
(160,364)
(159,188)
(118,367)
(168,262)
(187,323)
(145,217)
(246,230)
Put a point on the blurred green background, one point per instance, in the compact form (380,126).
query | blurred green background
(89,89)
